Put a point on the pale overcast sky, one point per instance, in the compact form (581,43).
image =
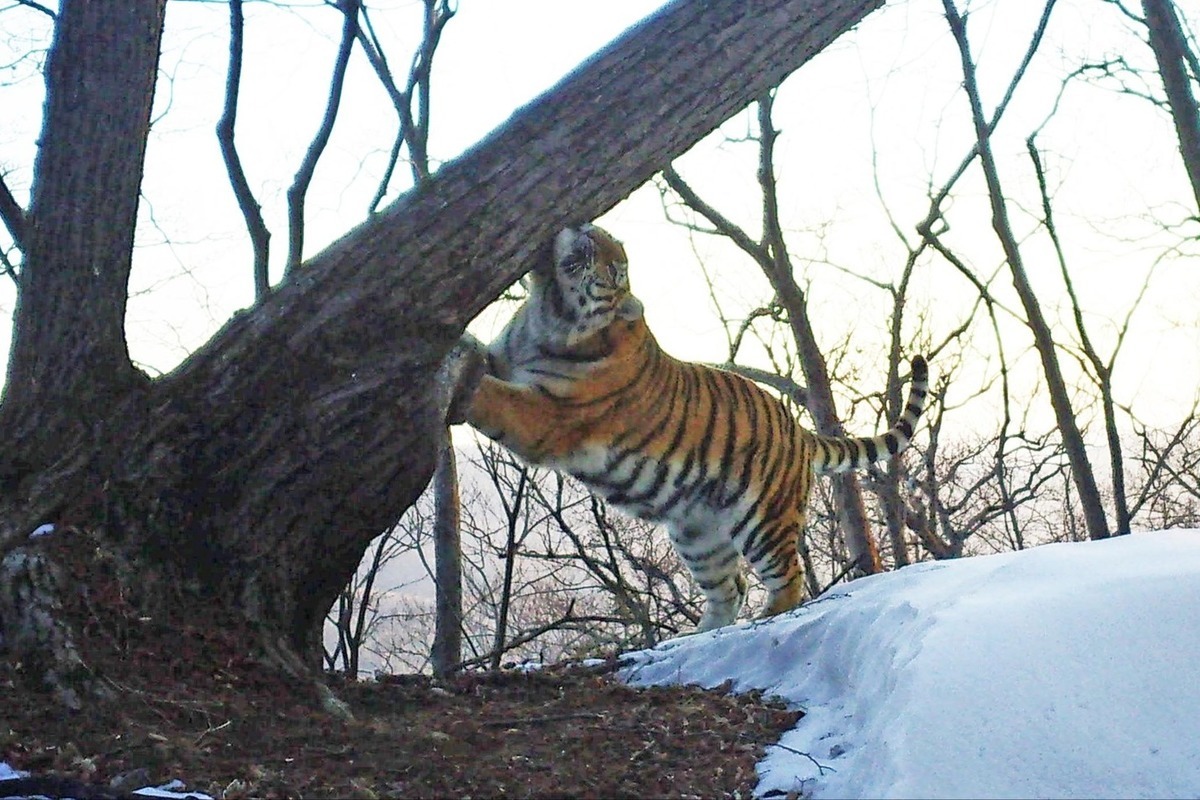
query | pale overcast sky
(891,89)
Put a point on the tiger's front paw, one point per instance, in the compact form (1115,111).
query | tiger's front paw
(460,375)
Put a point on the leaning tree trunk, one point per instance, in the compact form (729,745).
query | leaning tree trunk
(261,468)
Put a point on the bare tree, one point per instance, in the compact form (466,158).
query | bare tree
(595,580)
(512,495)
(1099,368)
(550,572)
(361,603)
(624,562)
(1167,494)
(1081,468)
(447,639)
(1179,69)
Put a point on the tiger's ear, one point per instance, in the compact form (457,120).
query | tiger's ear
(630,309)
(574,245)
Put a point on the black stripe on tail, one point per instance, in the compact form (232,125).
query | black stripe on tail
(841,454)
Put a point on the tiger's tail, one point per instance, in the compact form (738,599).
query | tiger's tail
(844,453)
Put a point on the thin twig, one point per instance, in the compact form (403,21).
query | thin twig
(207,731)
(513,722)
(821,768)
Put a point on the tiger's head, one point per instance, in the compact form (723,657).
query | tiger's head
(585,287)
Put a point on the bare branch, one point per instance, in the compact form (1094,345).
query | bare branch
(299,188)
(565,620)
(12,214)
(1154,459)
(37,7)
(437,14)
(925,226)
(1103,371)
(373,50)
(9,268)
(414,128)
(260,237)
(724,226)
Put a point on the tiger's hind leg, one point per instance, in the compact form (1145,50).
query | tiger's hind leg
(716,567)
(776,561)
(783,598)
(722,602)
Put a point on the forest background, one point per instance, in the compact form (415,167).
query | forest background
(848,220)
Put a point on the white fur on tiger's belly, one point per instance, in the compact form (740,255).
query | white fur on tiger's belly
(695,509)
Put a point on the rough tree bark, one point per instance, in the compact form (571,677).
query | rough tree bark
(69,357)
(261,468)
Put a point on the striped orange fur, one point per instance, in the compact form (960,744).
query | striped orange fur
(578,383)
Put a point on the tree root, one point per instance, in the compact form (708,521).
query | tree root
(283,657)
(34,631)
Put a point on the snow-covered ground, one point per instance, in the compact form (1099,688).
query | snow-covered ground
(1063,671)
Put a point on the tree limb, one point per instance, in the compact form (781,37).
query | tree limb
(437,14)
(37,7)
(260,237)
(724,226)
(925,226)
(296,194)
(414,129)
(12,214)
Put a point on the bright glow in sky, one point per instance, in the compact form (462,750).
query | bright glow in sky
(1063,671)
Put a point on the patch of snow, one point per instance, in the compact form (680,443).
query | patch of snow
(1067,670)
(45,529)
(174,789)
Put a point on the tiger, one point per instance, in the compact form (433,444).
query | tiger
(576,382)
